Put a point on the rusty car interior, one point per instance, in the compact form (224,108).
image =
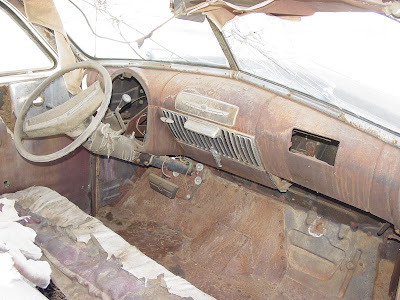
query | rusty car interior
(154,179)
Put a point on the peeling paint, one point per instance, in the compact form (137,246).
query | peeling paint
(6,111)
(317,228)
(8,129)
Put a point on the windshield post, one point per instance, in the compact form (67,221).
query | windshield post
(224,46)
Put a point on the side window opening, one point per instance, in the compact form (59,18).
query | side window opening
(19,52)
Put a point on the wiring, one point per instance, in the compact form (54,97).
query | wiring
(91,28)
(186,161)
(128,43)
(137,123)
(124,41)
(162,170)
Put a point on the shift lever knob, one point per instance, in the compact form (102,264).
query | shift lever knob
(124,101)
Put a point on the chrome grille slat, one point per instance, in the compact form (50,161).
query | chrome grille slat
(214,142)
(201,143)
(172,130)
(229,144)
(167,115)
(233,142)
(198,140)
(245,150)
(240,148)
(249,150)
(177,129)
(206,141)
(221,144)
(192,137)
(185,133)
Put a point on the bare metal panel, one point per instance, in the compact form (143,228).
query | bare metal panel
(207,108)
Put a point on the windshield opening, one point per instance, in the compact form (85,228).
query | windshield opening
(123,29)
(348,60)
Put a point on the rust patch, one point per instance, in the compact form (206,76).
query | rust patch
(226,240)
(177,270)
(290,289)
(109,216)
(6,112)
(221,240)
(153,239)
(318,227)
(383,274)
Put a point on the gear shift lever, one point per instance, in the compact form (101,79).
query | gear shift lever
(126,99)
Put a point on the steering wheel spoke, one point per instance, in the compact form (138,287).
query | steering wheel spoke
(65,117)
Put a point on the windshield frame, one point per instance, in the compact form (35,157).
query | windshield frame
(81,53)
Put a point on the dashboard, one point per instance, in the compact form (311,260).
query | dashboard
(258,135)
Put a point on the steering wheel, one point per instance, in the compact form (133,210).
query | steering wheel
(65,117)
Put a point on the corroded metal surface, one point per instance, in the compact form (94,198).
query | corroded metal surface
(153,239)
(159,140)
(365,170)
(69,176)
(250,100)
(381,288)
(212,248)
(229,165)
(234,243)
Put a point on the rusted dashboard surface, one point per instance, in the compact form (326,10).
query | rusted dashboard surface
(360,170)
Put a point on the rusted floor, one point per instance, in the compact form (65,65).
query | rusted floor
(237,244)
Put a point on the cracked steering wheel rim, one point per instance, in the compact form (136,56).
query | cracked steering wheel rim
(95,122)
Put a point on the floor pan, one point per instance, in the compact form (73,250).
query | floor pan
(233,243)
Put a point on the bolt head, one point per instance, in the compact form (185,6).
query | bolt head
(198,180)
(199,167)
(350,265)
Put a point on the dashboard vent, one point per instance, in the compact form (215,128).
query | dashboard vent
(229,144)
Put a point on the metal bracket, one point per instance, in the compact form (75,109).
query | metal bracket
(281,184)
(216,156)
